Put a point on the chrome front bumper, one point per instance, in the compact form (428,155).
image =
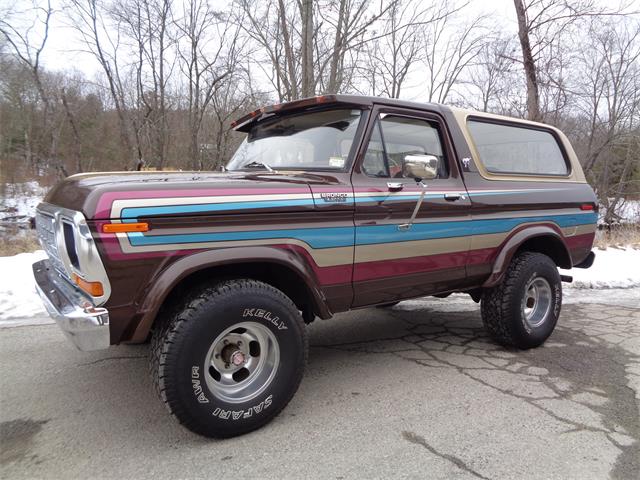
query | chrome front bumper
(86,325)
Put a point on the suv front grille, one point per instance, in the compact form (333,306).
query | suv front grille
(45,227)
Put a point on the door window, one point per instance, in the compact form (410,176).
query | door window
(394,138)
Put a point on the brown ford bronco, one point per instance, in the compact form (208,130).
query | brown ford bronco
(331,203)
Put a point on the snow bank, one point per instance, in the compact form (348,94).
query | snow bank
(629,211)
(19,200)
(18,297)
(613,268)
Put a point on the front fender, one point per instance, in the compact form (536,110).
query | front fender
(511,245)
(166,280)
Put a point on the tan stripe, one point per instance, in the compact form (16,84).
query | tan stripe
(328,257)
(489,240)
(324,257)
(584,229)
(492,240)
(527,213)
(413,248)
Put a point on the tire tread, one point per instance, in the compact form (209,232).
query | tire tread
(170,330)
(496,301)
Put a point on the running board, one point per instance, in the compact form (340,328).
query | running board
(566,278)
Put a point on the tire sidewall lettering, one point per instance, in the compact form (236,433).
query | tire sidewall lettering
(243,413)
(267,316)
(272,316)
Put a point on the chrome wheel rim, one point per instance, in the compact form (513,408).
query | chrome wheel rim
(537,302)
(241,362)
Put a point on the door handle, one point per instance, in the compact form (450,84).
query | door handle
(453,197)
(395,186)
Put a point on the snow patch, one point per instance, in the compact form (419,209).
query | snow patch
(628,210)
(18,297)
(18,201)
(613,268)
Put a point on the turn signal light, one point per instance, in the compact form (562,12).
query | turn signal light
(125,227)
(94,289)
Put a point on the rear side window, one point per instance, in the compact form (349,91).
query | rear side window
(520,150)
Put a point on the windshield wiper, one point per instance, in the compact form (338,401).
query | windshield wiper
(258,164)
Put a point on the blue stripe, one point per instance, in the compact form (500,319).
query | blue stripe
(135,212)
(329,237)
(316,237)
(377,234)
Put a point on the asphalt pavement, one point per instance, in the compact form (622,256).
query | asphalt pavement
(416,391)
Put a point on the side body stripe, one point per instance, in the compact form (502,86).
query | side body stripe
(383,250)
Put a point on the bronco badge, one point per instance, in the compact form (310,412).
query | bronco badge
(334,197)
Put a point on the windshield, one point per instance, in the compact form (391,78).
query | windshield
(317,140)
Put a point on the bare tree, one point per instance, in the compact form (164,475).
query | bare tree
(349,27)
(28,50)
(306,14)
(541,25)
(77,141)
(608,95)
(102,40)
(391,56)
(492,78)
(146,23)
(320,56)
(209,52)
(449,49)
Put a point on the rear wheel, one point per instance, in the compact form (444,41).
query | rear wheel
(522,311)
(230,359)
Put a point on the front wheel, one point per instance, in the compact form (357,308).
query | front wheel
(230,359)
(522,311)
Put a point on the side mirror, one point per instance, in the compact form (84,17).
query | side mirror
(420,166)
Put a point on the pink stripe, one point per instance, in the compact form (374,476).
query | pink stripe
(403,266)
(577,241)
(334,189)
(482,255)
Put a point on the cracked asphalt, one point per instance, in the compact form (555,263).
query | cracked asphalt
(416,391)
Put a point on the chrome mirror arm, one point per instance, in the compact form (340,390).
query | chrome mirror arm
(408,225)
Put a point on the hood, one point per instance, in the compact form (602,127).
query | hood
(97,195)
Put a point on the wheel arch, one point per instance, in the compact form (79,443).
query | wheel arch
(280,268)
(546,239)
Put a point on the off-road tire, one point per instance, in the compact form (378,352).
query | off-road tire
(183,337)
(502,306)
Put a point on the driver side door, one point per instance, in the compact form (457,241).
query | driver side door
(411,234)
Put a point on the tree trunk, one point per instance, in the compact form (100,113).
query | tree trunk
(333,84)
(288,52)
(77,141)
(308,88)
(533,96)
